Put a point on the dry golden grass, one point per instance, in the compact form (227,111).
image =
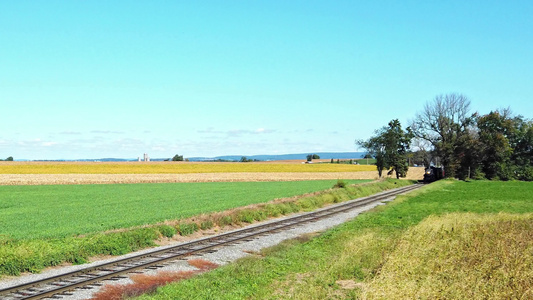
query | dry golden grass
(460,256)
(172,167)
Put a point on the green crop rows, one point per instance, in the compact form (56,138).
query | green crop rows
(32,212)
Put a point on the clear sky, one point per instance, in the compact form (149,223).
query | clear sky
(93,79)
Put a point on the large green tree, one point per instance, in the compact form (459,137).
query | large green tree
(520,136)
(496,130)
(389,146)
(177,157)
(523,150)
(467,154)
(445,123)
(497,145)
(397,143)
(506,146)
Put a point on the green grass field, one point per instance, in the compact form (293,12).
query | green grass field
(35,212)
(371,248)
(364,161)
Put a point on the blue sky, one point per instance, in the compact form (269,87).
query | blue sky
(93,79)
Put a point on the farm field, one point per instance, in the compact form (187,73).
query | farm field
(61,210)
(450,240)
(39,173)
(171,167)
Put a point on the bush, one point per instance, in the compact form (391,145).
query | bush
(247,216)
(290,207)
(337,198)
(311,202)
(260,215)
(340,184)
(187,228)
(273,210)
(524,173)
(123,242)
(225,220)
(527,173)
(206,225)
(167,231)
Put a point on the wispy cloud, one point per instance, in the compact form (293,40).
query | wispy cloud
(208,130)
(237,132)
(264,131)
(36,143)
(106,132)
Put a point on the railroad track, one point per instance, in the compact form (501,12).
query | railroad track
(62,285)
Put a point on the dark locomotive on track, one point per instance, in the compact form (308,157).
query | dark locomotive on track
(433,173)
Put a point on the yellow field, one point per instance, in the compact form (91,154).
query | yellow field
(172,167)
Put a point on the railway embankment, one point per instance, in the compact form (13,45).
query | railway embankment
(44,249)
(450,239)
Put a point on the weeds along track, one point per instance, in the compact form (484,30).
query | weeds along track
(54,287)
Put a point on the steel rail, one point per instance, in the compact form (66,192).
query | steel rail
(61,284)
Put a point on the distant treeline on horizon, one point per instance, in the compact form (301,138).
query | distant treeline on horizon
(302,156)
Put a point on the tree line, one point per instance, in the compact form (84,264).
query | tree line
(497,145)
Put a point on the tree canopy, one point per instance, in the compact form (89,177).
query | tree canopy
(177,158)
(506,146)
(444,123)
(496,145)
(310,157)
(389,147)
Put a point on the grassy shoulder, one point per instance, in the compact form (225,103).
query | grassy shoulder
(458,256)
(21,255)
(356,259)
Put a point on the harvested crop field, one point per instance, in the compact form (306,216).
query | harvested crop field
(39,179)
(41,173)
(173,167)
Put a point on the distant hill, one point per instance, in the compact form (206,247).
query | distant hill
(82,159)
(302,156)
